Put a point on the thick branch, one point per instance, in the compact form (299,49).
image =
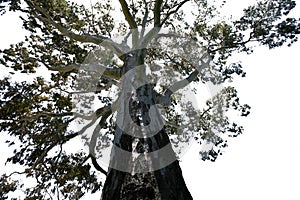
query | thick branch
(182,83)
(157,9)
(128,16)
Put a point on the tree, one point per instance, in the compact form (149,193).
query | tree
(86,62)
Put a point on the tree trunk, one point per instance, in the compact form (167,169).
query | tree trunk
(155,173)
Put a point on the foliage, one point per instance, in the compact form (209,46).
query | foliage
(39,113)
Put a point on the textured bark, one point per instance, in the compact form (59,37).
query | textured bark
(165,183)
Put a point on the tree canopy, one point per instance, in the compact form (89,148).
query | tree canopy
(83,61)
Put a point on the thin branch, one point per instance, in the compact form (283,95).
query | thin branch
(205,111)
(128,16)
(34,116)
(86,38)
(157,26)
(235,45)
(94,141)
(94,90)
(144,22)
(62,141)
(99,112)
(109,72)
(173,11)
(125,40)
(44,154)
(97,166)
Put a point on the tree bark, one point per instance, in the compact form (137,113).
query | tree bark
(165,180)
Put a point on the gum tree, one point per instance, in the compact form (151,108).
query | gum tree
(73,56)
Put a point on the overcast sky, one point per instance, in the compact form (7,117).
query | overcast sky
(264,162)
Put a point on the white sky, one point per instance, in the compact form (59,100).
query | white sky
(264,162)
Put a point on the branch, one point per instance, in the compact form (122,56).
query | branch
(235,45)
(205,111)
(66,139)
(182,83)
(146,14)
(153,33)
(173,11)
(109,72)
(128,16)
(105,114)
(168,35)
(157,9)
(97,166)
(86,38)
(157,26)
(144,22)
(65,69)
(93,90)
(34,116)
(99,112)
(192,77)
(93,141)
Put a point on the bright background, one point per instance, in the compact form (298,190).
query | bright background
(264,162)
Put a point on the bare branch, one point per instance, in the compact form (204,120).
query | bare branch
(192,77)
(157,9)
(97,166)
(182,83)
(128,16)
(150,36)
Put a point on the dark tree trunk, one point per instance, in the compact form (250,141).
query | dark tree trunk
(168,184)
(165,181)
